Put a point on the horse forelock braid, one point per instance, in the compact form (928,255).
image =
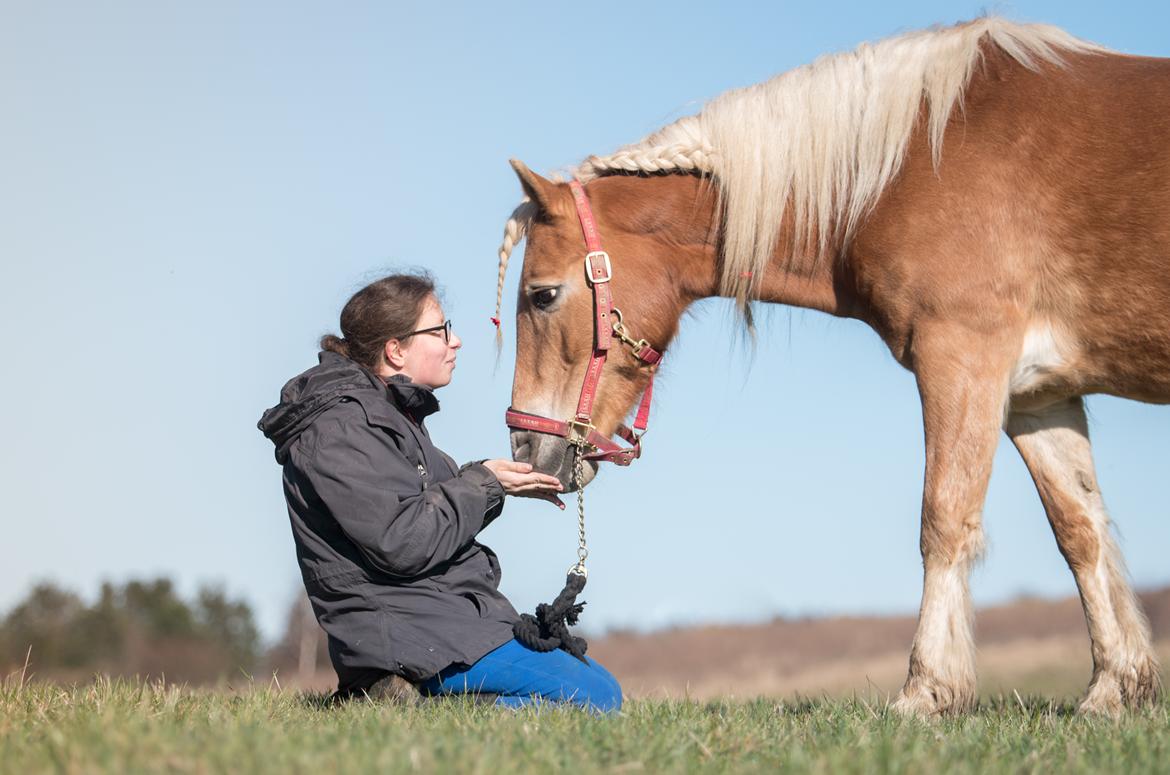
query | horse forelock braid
(514,231)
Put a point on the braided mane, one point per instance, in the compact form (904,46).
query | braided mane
(823,139)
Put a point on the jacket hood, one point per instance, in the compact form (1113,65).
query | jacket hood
(307,395)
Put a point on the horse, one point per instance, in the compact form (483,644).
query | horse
(992,199)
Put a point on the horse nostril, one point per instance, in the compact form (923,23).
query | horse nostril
(522,452)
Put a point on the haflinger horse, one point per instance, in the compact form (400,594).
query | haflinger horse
(993,199)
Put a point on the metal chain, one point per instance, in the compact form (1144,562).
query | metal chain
(578,479)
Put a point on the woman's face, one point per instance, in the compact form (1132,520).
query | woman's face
(428,358)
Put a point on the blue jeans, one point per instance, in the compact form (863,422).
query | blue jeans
(520,676)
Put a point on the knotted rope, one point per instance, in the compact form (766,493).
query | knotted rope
(549,629)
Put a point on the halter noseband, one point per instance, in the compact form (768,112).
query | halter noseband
(607,324)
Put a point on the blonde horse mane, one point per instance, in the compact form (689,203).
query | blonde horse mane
(824,139)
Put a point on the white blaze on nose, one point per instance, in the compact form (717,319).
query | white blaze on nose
(1045,352)
(541,406)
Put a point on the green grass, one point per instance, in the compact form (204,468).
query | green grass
(134,727)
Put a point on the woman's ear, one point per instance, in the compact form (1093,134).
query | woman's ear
(392,352)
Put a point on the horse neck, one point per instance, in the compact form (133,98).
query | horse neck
(813,284)
(686,224)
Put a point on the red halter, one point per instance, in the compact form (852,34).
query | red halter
(607,323)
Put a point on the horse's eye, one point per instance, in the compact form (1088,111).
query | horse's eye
(544,297)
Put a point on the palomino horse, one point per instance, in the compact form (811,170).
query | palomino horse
(993,199)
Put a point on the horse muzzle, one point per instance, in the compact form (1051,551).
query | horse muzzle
(551,455)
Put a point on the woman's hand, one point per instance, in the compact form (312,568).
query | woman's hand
(520,480)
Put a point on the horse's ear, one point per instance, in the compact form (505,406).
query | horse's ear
(539,190)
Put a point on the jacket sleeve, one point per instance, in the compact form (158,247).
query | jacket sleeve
(373,492)
(493,511)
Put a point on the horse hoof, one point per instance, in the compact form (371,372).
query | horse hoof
(922,699)
(1114,690)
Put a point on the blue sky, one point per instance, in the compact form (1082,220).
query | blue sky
(190,192)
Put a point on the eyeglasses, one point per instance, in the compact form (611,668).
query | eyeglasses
(445,328)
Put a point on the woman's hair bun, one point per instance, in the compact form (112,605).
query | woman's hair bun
(335,344)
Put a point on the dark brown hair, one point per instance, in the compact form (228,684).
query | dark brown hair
(385,309)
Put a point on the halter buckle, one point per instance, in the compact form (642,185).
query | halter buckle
(605,262)
(579,431)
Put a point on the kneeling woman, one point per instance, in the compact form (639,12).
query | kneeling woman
(385,523)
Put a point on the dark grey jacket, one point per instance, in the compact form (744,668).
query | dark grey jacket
(385,524)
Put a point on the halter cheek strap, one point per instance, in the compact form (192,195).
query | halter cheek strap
(607,323)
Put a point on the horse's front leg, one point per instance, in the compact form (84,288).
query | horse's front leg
(962,379)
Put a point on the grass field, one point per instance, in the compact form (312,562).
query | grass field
(134,727)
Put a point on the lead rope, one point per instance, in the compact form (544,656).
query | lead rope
(549,628)
(578,484)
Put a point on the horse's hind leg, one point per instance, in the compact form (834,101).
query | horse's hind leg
(1055,446)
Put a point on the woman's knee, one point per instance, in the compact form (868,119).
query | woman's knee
(603,690)
(610,700)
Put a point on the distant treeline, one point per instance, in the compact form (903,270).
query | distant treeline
(143,628)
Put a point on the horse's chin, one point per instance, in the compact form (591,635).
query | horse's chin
(551,455)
